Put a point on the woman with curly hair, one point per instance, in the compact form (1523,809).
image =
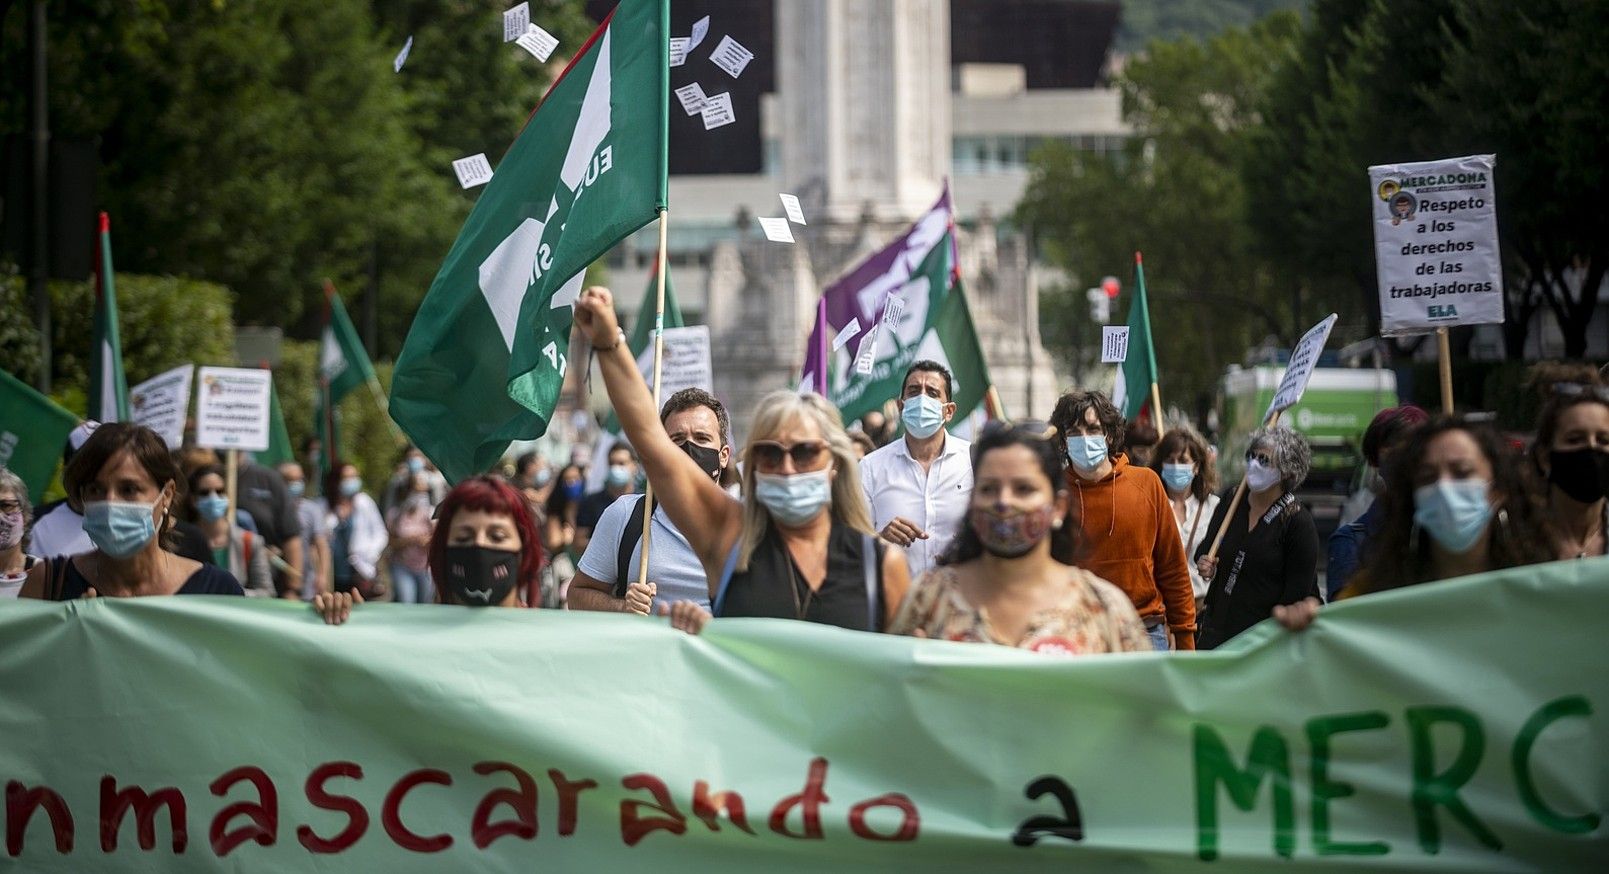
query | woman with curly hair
(1269,555)
(1454,505)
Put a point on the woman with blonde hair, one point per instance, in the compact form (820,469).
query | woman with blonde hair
(800,543)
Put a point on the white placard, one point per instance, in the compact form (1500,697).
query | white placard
(473,170)
(162,402)
(731,56)
(686,363)
(849,332)
(232,408)
(790,205)
(717,110)
(538,42)
(692,98)
(678,51)
(402,56)
(1435,244)
(701,29)
(516,22)
(1114,343)
(776,230)
(1300,369)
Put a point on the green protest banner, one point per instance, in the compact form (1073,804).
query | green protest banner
(1456,726)
(33,433)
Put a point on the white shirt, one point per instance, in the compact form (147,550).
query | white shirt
(935,502)
(1196,516)
(59,532)
(673,567)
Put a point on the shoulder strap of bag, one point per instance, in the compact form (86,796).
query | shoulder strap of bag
(629,536)
(726,578)
(56,575)
(245,550)
(870,566)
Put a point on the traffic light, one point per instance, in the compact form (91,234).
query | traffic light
(1100,306)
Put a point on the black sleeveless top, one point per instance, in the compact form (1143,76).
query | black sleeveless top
(763,590)
(63,582)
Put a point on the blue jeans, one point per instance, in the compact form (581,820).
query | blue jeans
(1159,637)
(409,586)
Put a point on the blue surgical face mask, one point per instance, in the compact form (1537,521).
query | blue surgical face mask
(543,477)
(573,491)
(618,476)
(213,507)
(416,465)
(296,488)
(351,486)
(119,529)
(1178,476)
(1087,453)
(1453,512)
(794,499)
(923,416)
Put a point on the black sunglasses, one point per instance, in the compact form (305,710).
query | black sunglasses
(769,453)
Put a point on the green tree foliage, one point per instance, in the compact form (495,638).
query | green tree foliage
(1147,20)
(1376,82)
(367,438)
(1177,194)
(267,144)
(164,322)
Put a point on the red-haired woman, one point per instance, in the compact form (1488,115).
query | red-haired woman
(485,551)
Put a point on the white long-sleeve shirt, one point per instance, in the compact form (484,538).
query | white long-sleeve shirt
(935,501)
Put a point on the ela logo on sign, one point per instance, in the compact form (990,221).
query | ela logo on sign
(1441,311)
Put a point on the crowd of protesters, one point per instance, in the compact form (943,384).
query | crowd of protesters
(1084,533)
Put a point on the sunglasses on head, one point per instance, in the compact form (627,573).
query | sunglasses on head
(1576,390)
(769,453)
(1034,429)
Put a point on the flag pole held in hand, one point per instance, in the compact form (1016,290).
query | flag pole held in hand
(659,360)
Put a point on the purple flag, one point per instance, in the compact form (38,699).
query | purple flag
(862,292)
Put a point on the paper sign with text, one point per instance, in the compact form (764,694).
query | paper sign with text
(516,21)
(1114,344)
(686,363)
(1435,244)
(731,56)
(1300,369)
(162,403)
(232,408)
(717,111)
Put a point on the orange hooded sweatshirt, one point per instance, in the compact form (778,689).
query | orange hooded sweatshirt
(1132,541)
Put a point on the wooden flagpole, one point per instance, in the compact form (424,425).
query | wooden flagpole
(1157,418)
(659,360)
(1445,365)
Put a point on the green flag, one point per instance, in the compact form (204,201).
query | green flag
(279,439)
(486,356)
(1135,377)
(108,389)
(642,330)
(961,353)
(33,430)
(932,322)
(343,365)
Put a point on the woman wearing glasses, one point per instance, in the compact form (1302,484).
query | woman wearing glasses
(800,543)
(1269,555)
(1008,578)
(1572,454)
(236,550)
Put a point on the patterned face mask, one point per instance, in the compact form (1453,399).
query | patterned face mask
(1010,533)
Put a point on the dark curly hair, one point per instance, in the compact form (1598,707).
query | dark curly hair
(1398,556)
(1069,414)
(1044,441)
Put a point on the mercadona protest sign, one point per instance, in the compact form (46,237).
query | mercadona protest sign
(1435,244)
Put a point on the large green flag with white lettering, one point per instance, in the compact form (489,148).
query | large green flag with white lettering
(486,356)
(33,433)
(547,740)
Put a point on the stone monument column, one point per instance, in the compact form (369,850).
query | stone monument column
(864,89)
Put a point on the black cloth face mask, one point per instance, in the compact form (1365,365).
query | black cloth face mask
(1583,474)
(709,460)
(478,576)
